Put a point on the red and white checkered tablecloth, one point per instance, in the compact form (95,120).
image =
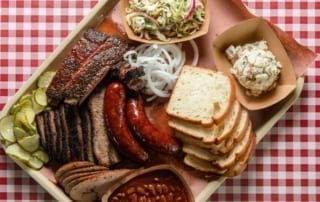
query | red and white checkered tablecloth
(286,164)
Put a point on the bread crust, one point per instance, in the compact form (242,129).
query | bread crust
(174,109)
(241,165)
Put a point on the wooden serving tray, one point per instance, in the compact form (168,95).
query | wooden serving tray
(103,8)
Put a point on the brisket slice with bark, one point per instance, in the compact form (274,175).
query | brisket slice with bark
(103,149)
(60,147)
(41,130)
(52,131)
(71,114)
(64,136)
(87,131)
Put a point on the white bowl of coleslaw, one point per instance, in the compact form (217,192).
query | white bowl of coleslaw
(165,21)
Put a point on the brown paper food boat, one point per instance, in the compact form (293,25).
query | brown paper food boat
(252,30)
(131,35)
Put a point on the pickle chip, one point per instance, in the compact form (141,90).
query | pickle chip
(41,155)
(6,128)
(40,96)
(19,133)
(25,118)
(25,97)
(37,107)
(30,143)
(15,151)
(35,163)
(45,79)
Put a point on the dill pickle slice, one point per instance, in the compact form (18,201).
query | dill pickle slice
(26,102)
(37,107)
(41,155)
(35,163)
(30,143)
(45,79)
(6,128)
(40,97)
(19,133)
(26,96)
(17,152)
(29,115)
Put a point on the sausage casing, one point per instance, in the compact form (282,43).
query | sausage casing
(146,131)
(119,131)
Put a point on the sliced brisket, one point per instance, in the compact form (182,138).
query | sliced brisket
(60,150)
(65,135)
(47,134)
(73,140)
(87,133)
(41,130)
(52,132)
(104,151)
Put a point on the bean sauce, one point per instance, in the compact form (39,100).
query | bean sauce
(160,185)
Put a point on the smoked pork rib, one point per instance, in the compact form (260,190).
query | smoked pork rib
(82,50)
(85,66)
(92,72)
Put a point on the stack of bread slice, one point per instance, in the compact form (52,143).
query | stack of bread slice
(216,131)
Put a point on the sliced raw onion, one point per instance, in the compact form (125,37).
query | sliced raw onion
(162,64)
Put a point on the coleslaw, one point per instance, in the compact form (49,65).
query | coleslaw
(165,19)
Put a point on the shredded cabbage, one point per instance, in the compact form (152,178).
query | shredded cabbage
(162,64)
(164,19)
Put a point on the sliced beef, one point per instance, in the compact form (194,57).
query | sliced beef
(48,134)
(60,150)
(41,130)
(65,135)
(87,133)
(91,73)
(79,134)
(103,149)
(52,131)
(73,140)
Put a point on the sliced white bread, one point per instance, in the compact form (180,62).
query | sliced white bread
(215,134)
(201,165)
(220,149)
(201,96)
(237,134)
(239,130)
(210,152)
(213,153)
(198,152)
(236,153)
(241,165)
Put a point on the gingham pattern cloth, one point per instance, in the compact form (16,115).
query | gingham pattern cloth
(285,164)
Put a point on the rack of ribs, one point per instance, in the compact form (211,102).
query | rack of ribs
(88,62)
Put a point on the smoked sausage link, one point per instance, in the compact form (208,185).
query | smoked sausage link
(119,131)
(146,131)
